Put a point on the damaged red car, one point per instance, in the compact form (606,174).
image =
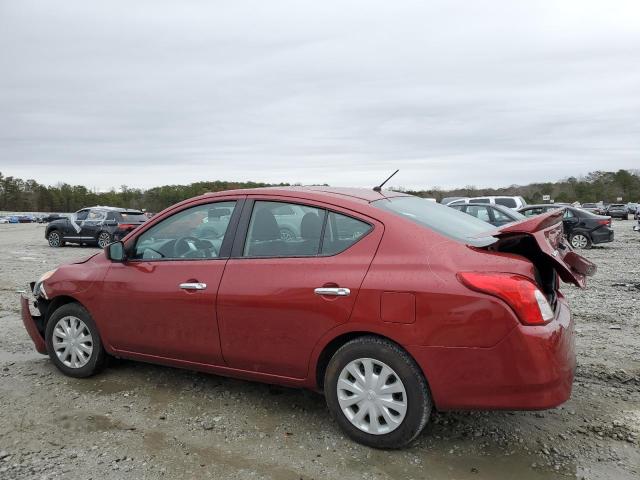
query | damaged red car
(389,304)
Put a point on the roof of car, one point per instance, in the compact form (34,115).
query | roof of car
(112,209)
(362,194)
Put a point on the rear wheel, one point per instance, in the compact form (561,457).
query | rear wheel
(377,393)
(580,240)
(104,239)
(55,239)
(73,341)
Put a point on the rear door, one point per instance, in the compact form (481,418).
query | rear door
(93,223)
(279,296)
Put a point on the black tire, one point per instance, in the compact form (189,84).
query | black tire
(104,239)
(418,397)
(55,239)
(576,242)
(95,360)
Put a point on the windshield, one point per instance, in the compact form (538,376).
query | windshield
(440,218)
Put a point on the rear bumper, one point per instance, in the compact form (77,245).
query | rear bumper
(532,368)
(602,235)
(31,326)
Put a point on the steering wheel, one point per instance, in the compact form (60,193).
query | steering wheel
(192,247)
(185,245)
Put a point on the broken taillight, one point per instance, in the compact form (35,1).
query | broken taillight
(520,293)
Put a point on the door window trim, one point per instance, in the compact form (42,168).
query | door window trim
(237,251)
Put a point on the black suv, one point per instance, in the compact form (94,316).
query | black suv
(582,228)
(96,226)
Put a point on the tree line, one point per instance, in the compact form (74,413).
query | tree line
(29,196)
(594,187)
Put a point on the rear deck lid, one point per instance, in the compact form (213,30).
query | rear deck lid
(548,231)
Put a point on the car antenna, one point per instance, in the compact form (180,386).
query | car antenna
(379,187)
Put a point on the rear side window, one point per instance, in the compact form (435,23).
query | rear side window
(279,229)
(341,232)
(479,200)
(506,202)
(439,218)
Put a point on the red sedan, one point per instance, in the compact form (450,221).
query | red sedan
(390,304)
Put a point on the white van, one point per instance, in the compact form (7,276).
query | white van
(511,202)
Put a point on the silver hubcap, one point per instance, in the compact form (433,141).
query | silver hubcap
(72,342)
(372,396)
(54,239)
(579,241)
(103,240)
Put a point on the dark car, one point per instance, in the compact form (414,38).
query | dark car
(496,215)
(617,210)
(380,304)
(25,219)
(96,226)
(581,227)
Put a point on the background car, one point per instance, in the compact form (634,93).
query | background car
(4,220)
(96,226)
(496,215)
(592,207)
(632,207)
(506,201)
(618,210)
(582,228)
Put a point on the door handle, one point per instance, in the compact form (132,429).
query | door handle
(193,286)
(333,291)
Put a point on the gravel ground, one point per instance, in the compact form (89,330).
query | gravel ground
(159,422)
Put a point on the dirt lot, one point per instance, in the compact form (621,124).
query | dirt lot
(158,422)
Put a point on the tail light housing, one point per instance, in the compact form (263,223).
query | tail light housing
(519,292)
(605,222)
(127,226)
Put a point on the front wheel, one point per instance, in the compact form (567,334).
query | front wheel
(580,240)
(73,341)
(104,239)
(377,393)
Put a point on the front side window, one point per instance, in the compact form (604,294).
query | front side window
(81,215)
(278,229)
(96,215)
(194,233)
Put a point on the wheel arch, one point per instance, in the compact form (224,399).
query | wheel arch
(332,346)
(55,303)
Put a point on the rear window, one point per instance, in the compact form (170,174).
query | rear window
(133,217)
(506,202)
(439,218)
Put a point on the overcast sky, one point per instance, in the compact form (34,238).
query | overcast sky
(342,92)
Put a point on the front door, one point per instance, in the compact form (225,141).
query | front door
(282,293)
(161,301)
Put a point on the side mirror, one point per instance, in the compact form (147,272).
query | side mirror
(115,252)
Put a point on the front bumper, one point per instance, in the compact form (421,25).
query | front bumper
(32,324)
(532,368)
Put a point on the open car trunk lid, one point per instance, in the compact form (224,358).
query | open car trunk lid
(548,232)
